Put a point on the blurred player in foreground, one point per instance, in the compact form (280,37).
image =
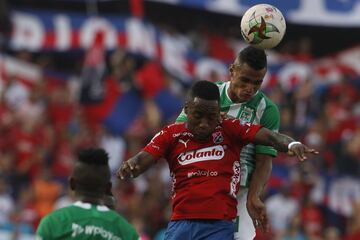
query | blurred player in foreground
(241,98)
(88,217)
(203,155)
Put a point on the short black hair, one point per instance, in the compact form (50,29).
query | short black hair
(95,156)
(254,57)
(205,90)
(92,172)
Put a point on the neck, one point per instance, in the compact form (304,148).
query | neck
(93,198)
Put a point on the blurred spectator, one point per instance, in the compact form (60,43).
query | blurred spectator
(6,203)
(43,125)
(46,191)
(353,228)
(15,93)
(279,220)
(311,218)
(332,233)
(294,230)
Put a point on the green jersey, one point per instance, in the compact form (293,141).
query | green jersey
(85,221)
(259,109)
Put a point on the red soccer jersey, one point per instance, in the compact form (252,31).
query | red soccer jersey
(205,175)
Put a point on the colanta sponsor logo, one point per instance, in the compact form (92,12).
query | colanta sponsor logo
(204,154)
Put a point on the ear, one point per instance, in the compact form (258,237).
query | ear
(186,107)
(231,69)
(72,183)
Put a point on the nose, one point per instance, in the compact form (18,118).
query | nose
(204,123)
(250,88)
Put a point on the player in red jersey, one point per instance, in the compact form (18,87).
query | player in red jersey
(203,155)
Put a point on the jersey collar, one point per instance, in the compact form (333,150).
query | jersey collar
(85,205)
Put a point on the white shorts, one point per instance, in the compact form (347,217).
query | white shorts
(244,229)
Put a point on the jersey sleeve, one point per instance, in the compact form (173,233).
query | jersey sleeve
(243,132)
(182,117)
(43,231)
(271,121)
(159,144)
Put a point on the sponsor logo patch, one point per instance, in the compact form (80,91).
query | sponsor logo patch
(204,173)
(204,154)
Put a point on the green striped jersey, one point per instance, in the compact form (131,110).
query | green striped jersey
(259,109)
(85,221)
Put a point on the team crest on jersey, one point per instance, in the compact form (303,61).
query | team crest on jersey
(217,137)
(246,115)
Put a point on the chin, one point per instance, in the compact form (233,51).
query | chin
(202,137)
(244,99)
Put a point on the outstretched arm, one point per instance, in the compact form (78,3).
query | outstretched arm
(283,143)
(136,165)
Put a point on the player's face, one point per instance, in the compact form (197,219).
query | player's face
(203,116)
(244,82)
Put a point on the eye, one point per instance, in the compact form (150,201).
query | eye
(243,80)
(196,115)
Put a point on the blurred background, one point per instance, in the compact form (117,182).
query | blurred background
(77,73)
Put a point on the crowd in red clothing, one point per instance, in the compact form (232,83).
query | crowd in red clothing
(42,128)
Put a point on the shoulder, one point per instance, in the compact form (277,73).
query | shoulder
(264,103)
(262,96)
(221,85)
(169,131)
(124,224)
(175,127)
(59,212)
(55,217)
(230,122)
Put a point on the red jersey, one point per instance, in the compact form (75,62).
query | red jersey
(205,175)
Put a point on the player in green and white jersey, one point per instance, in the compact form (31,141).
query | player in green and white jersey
(241,98)
(88,217)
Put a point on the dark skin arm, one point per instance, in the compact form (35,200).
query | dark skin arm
(281,142)
(136,165)
(256,208)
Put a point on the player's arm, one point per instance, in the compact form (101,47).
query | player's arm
(283,143)
(256,208)
(143,160)
(136,165)
(264,154)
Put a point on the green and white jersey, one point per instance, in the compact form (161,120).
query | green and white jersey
(85,221)
(258,110)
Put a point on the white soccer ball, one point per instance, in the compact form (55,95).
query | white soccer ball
(263,26)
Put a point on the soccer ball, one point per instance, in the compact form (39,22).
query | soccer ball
(263,26)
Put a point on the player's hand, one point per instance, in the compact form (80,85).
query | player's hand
(300,150)
(128,169)
(257,211)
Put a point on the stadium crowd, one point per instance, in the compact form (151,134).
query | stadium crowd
(44,125)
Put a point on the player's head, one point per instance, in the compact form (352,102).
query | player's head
(202,109)
(247,73)
(91,175)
